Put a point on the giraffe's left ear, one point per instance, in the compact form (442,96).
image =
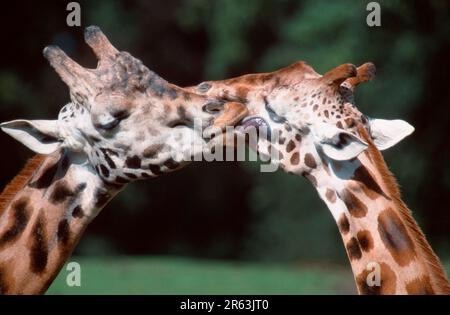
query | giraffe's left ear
(41,136)
(387,133)
(337,143)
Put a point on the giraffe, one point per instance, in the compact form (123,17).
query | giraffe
(124,123)
(316,131)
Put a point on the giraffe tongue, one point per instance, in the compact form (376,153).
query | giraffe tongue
(256,123)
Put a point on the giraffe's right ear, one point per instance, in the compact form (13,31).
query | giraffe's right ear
(41,136)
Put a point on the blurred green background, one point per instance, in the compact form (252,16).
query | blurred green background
(225,227)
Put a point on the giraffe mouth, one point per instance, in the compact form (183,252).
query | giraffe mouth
(255,125)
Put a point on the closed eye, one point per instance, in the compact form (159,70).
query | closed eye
(117,117)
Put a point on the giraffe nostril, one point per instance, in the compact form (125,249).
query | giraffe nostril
(203,87)
(213,107)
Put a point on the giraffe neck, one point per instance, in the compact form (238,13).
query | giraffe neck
(387,250)
(43,213)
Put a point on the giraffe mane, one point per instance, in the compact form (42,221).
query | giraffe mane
(432,261)
(19,181)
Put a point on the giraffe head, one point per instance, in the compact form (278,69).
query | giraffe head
(308,117)
(128,121)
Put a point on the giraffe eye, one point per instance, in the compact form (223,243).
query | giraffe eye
(110,125)
(115,119)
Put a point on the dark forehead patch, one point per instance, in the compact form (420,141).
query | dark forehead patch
(365,240)
(354,205)
(343,224)
(21,214)
(39,249)
(395,237)
(387,277)
(353,249)
(420,286)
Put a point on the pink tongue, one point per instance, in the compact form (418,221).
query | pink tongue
(259,124)
(254,122)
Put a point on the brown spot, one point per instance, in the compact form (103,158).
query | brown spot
(21,214)
(310,161)
(295,158)
(315,107)
(355,206)
(326,113)
(339,124)
(78,212)
(46,178)
(186,96)
(395,237)
(281,140)
(298,137)
(343,224)
(420,286)
(330,195)
(353,249)
(63,232)
(365,240)
(39,249)
(133,162)
(152,150)
(290,146)
(350,122)
(387,282)
(369,185)
(61,192)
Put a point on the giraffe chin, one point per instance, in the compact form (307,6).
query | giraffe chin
(256,125)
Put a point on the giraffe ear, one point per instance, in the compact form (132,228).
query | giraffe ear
(41,136)
(387,133)
(339,144)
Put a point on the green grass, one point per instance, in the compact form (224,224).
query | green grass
(173,275)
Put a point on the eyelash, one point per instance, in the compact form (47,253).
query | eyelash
(118,117)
